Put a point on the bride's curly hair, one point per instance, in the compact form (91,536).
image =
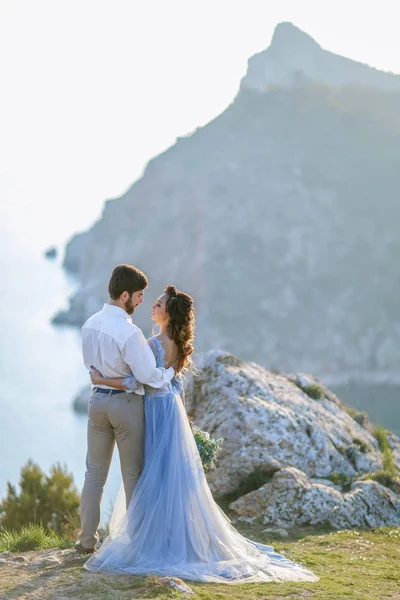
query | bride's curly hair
(180,309)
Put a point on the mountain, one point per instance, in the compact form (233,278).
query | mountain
(295,58)
(280,216)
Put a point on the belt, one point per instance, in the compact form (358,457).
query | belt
(109,392)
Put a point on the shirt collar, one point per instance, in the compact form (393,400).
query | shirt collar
(117,310)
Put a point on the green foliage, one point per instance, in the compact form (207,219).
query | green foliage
(342,479)
(391,532)
(351,453)
(50,500)
(363,446)
(386,478)
(208,448)
(32,537)
(313,390)
(359,417)
(387,453)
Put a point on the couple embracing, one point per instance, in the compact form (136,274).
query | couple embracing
(165,520)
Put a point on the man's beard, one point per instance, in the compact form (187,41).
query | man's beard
(129,308)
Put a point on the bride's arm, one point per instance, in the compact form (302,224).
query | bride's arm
(118,383)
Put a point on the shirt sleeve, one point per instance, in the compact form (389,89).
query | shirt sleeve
(138,356)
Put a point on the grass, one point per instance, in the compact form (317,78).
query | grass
(363,446)
(32,537)
(342,479)
(351,564)
(360,417)
(313,390)
(386,478)
(388,463)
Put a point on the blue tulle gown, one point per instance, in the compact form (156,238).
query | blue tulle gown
(172,526)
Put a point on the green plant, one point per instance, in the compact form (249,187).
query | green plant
(363,446)
(49,500)
(359,417)
(313,390)
(386,478)
(342,479)
(351,453)
(387,453)
(32,537)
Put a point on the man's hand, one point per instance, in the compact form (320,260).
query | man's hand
(95,376)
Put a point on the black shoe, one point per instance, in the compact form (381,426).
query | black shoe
(82,550)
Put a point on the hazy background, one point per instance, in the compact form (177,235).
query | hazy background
(90,91)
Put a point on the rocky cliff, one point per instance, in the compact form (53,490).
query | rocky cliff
(279,216)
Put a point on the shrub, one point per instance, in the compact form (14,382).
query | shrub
(49,500)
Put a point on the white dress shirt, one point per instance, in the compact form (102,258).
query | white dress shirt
(117,348)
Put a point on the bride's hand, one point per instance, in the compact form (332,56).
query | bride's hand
(95,376)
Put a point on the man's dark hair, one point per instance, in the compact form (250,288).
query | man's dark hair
(126,278)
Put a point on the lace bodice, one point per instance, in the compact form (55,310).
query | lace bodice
(176,384)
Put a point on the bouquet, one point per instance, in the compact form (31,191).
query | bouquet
(208,448)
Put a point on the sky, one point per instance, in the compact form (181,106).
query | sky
(91,90)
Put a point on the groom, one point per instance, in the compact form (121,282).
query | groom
(117,348)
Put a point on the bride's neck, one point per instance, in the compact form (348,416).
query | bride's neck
(163,331)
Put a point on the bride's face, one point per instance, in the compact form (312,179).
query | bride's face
(158,313)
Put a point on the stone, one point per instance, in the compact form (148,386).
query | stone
(280,531)
(45,561)
(292,499)
(20,559)
(177,584)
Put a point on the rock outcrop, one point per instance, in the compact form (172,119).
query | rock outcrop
(318,463)
(279,216)
(292,499)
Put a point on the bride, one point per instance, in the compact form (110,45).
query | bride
(173,526)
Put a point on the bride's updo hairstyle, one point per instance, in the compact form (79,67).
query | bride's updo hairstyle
(180,309)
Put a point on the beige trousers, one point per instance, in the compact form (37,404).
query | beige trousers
(117,418)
